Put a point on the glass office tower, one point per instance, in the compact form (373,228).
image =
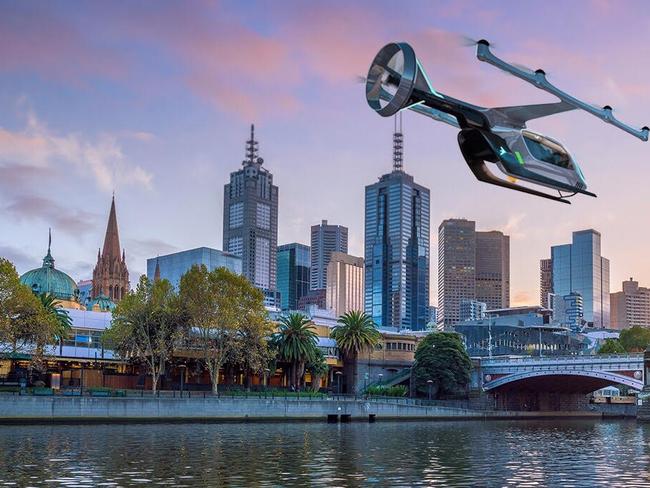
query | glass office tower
(397,213)
(579,267)
(292,274)
(172,266)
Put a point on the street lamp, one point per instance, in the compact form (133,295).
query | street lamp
(182,367)
(429,386)
(267,372)
(338,381)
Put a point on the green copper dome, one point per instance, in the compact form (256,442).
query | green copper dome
(46,279)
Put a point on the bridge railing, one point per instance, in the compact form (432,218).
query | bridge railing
(604,358)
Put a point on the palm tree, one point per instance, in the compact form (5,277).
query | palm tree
(64,322)
(296,343)
(355,333)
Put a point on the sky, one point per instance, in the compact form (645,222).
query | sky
(153,100)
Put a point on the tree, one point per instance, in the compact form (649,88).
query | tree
(611,346)
(317,368)
(355,333)
(63,321)
(25,326)
(226,313)
(296,342)
(635,339)
(441,358)
(147,324)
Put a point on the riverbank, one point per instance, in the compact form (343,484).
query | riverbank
(25,409)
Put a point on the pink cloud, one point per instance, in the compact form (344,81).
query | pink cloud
(35,40)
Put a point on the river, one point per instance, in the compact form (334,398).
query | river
(472,453)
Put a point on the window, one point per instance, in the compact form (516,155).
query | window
(236,215)
(263,216)
(547,150)
(262,262)
(236,246)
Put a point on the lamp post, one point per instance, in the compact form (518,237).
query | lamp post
(338,382)
(267,372)
(429,386)
(182,367)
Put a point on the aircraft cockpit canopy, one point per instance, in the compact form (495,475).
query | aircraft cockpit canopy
(547,150)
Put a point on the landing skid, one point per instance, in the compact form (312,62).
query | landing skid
(482,173)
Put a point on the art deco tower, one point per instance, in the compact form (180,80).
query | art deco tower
(110,276)
(250,220)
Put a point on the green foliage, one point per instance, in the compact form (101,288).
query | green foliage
(296,343)
(611,346)
(228,320)
(63,321)
(393,391)
(635,339)
(147,324)
(441,358)
(25,326)
(318,368)
(356,332)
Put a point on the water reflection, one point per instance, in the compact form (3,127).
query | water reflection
(532,453)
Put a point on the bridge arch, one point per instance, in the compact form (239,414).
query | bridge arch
(603,378)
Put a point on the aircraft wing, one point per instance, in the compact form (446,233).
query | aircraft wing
(517,116)
(538,79)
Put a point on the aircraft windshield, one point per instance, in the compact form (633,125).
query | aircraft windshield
(547,150)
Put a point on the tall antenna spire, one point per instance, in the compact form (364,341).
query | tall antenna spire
(398,144)
(49,239)
(251,148)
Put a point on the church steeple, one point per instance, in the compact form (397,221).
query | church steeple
(112,237)
(111,276)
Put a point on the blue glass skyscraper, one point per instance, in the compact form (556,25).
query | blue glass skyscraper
(397,219)
(293,274)
(579,267)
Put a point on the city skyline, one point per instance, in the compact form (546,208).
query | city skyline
(164,143)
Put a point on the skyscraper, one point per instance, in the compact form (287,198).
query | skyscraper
(325,239)
(250,219)
(456,268)
(111,276)
(579,267)
(472,266)
(173,266)
(344,283)
(545,281)
(493,269)
(397,223)
(293,274)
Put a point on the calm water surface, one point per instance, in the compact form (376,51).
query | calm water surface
(518,453)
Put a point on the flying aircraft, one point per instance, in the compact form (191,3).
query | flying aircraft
(396,81)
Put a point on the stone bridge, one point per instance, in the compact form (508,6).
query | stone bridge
(558,382)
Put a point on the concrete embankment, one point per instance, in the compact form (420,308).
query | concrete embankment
(29,409)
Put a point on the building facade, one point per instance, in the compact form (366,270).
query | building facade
(569,311)
(493,269)
(456,268)
(472,310)
(631,306)
(397,226)
(111,276)
(580,267)
(250,219)
(293,274)
(325,240)
(545,281)
(173,266)
(345,290)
